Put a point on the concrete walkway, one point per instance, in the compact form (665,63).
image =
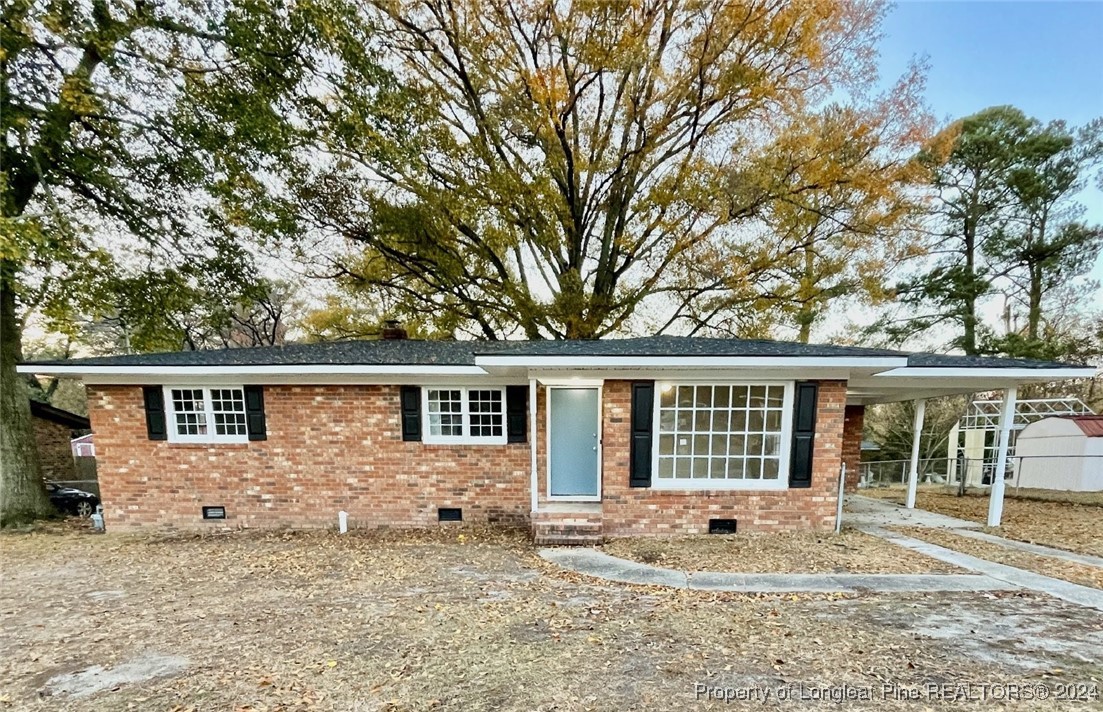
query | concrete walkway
(865,512)
(1074,593)
(1071,556)
(592,562)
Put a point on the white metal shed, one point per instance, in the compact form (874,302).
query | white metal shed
(1062,453)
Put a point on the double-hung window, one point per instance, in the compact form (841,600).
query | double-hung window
(464,415)
(206,415)
(723,436)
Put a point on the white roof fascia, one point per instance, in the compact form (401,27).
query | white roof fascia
(1011,374)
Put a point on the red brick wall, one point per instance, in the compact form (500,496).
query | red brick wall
(329,448)
(54,451)
(339,447)
(853,422)
(629,511)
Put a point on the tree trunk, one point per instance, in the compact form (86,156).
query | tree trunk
(807,312)
(969,303)
(1034,309)
(22,493)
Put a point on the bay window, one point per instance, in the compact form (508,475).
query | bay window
(714,436)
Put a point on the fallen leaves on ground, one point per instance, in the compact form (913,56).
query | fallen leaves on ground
(404,621)
(777,553)
(1072,526)
(1055,567)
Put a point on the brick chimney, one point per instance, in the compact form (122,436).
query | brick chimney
(393,331)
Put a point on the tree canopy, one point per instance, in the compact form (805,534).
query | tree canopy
(576,170)
(114,160)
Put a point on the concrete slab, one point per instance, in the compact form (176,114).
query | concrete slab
(592,562)
(600,565)
(1072,556)
(864,511)
(1081,595)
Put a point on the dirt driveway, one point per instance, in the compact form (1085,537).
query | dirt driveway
(478,622)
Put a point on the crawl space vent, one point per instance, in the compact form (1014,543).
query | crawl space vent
(449,514)
(214,512)
(721,526)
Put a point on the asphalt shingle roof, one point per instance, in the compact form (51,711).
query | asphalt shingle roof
(687,346)
(404,352)
(462,353)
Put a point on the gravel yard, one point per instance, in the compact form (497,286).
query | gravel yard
(1075,525)
(787,553)
(473,620)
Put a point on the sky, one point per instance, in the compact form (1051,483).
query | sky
(1044,57)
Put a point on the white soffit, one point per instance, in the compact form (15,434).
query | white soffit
(1019,375)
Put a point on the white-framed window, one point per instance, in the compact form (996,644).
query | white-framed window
(206,414)
(722,435)
(455,414)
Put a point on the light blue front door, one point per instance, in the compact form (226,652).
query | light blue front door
(573,442)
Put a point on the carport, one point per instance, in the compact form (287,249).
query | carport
(933,375)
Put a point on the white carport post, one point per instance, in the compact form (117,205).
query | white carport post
(995,495)
(917,431)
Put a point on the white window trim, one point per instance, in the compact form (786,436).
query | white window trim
(211,436)
(781,483)
(465,412)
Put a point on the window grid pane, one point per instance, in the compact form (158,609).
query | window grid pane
(228,411)
(485,409)
(445,413)
(720,432)
(189,412)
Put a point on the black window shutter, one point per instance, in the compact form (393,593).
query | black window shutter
(643,403)
(254,413)
(516,413)
(804,435)
(410,397)
(154,397)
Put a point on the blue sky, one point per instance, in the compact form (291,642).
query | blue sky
(1044,57)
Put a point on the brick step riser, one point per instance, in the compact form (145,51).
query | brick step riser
(568,541)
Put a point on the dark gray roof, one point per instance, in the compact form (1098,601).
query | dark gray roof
(414,352)
(398,352)
(686,346)
(924,360)
(59,416)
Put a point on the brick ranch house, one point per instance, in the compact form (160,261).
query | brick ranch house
(593,439)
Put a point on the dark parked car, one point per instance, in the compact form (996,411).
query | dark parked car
(71,500)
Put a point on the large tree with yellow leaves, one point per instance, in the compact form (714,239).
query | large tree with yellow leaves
(579,169)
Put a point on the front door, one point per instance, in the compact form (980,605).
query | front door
(573,428)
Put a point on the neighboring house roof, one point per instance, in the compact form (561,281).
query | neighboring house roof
(414,352)
(59,416)
(1091,425)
